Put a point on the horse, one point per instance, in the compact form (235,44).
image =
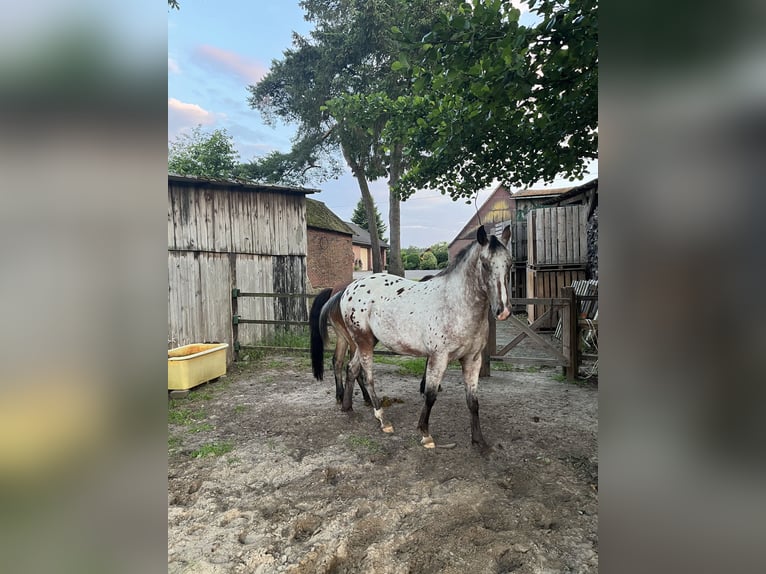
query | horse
(443,319)
(343,343)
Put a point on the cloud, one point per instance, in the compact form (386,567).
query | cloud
(173,67)
(183,115)
(219,60)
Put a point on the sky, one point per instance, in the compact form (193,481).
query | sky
(216,49)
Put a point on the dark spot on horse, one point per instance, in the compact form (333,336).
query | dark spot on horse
(400,291)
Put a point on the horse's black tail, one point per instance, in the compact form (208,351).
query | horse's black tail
(317,333)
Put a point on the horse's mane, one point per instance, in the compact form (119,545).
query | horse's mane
(463,255)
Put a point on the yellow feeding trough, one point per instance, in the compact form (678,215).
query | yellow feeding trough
(192,365)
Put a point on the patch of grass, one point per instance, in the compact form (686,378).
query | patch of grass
(201,428)
(501,366)
(364,442)
(182,416)
(407,365)
(563,379)
(240,409)
(173,442)
(298,338)
(212,449)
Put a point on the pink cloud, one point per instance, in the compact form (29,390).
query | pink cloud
(183,116)
(250,71)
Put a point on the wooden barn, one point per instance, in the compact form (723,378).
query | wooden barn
(330,255)
(228,234)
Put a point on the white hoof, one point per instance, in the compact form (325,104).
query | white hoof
(428,442)
(387,428)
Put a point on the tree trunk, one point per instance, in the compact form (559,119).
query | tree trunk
(369,205)
(395,265)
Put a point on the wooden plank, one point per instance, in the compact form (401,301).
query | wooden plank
(539,234)
(538,300)
(570,216)
(548,235)
(221,222)
(538,361)
(171,222)
(530,292)
(561,255)
(583,212)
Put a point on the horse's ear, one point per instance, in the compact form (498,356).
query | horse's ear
(506,235)
(481,236)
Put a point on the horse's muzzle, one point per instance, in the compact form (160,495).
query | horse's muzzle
(504,314)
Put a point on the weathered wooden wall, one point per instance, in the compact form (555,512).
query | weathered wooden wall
(557,253)
(557,236)
(224,236)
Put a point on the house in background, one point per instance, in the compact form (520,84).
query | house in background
(362,246)
(329,255)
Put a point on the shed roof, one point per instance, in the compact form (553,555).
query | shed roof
(245,184)
(574,191)
(361,236)
(532,193)
(319,216)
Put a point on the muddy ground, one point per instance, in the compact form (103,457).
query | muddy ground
(266,474)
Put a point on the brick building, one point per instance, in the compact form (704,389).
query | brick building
(329,254)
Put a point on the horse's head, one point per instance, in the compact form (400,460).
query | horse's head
(496,264)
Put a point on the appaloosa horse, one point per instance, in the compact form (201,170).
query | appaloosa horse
(443,319)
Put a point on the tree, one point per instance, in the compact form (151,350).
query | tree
(360,218)
(318,84)
(428,260)
(210,155)
(441,252)
(411,258)
(495,100)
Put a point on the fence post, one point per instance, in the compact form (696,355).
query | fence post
(569,331)
(235,322)
(490,347)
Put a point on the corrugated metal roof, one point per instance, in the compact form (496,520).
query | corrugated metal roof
(245,184)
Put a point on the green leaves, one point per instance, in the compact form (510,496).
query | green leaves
(202,154)
(499,100)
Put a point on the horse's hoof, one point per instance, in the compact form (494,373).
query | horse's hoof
(388,428)
(428,442)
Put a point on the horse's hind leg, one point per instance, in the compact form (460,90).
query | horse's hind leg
(362,361)
(363,387)
(338,360)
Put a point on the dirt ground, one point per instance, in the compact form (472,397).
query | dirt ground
(266,474)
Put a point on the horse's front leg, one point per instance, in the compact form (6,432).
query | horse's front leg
(436,365)
(471,367)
